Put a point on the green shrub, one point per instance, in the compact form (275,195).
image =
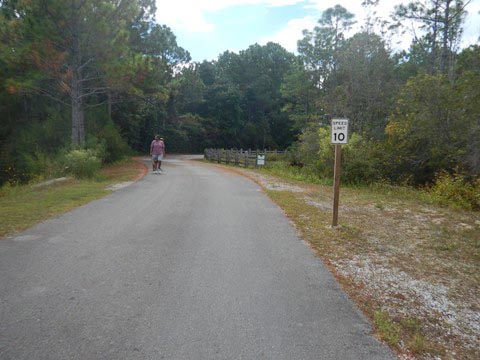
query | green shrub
(30,152)
(98,147)
(114,147)
(82,163)
(106,141)
(455,191)
(45,166)
(272,157)
(294,157)
(298,173)
(22,167)
(309,145)
(359,160)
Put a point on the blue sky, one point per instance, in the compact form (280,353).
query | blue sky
(207,28)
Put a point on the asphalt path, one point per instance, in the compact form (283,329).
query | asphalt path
(196,263)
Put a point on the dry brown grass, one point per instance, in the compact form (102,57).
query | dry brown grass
(132,169)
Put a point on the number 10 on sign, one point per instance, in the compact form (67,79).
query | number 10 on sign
(339,131)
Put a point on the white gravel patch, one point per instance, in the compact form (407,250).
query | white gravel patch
(319,205)
(406,296)
(49,182)
(116,187)
(271,184)
(283,187)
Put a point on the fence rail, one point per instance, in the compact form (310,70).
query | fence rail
(242,157)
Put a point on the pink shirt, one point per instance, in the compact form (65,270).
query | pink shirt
(157,147)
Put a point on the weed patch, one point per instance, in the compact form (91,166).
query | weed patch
(388,330)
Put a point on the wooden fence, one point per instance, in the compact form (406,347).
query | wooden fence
(242,157)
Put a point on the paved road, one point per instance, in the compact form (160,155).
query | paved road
(194,264)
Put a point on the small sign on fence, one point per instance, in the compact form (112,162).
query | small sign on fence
(260,160)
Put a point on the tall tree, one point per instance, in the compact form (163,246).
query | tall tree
(264,68)
(250,82)
(71,42)
(442,21)
(149,88)
(435,127)
(367,85)
(319,48)
(301,98)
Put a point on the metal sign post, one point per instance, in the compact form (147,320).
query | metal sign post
(339,136)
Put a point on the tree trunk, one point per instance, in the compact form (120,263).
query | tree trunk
(78,132)
(433,55)
(443,59)
(109,105)
(76,94)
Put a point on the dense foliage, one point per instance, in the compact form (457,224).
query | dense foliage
(104,76)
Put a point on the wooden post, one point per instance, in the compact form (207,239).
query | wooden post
(336,183)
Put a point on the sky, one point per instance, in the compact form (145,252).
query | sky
(207,28)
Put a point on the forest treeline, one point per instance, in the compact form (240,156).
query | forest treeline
(102,75)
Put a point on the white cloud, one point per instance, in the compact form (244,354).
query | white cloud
(472,24)
(189,15)
(289,36)
(383,10)
(183,15)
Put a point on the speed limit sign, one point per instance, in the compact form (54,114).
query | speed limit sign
(339,131)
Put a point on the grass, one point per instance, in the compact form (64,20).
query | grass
(294,173)
(22,206)
(411,265)
(449,191)
(388,329)
(406,329)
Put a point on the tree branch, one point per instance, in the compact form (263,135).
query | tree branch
(44,92)
(95,92)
